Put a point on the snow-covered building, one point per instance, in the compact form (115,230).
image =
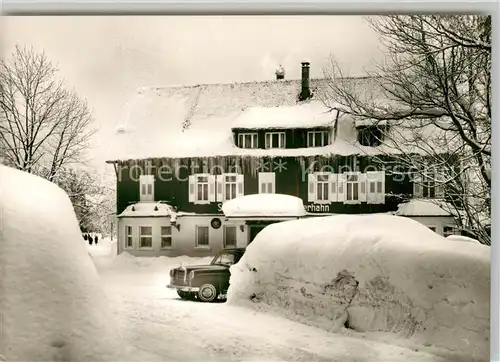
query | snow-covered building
(182,153)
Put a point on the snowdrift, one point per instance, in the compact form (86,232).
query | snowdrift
(371,273)
(52,305)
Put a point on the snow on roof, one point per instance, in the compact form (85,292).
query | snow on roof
(308,115)
(147,209)
(264,205)
(423,207)
(52,301)
(369,122)
(196,121)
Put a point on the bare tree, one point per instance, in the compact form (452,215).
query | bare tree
(434,95)
(93,200)
(43,126)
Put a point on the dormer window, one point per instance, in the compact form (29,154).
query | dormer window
(317,138)
(370,136)
(275,140)
(248,140)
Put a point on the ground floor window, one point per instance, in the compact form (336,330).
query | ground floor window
(128,237)
(433,228)
(202,236)
(448,230)
(146,237)
(166,237)
(229,236)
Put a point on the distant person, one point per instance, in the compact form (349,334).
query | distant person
(90,240)
(96,239)
(85,237)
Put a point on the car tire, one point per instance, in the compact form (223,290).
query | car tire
(207,293)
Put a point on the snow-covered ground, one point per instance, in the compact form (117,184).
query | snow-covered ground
(157,325)
(373,274)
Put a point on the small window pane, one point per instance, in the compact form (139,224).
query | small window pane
(379,187)
(202,236)
(372,187)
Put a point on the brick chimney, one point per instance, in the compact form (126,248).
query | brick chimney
(305,91)
(280,72)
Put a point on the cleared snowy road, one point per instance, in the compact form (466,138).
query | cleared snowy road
(158,326)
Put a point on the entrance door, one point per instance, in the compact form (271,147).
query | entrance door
(254,230)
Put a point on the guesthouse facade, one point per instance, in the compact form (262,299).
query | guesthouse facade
(184,153)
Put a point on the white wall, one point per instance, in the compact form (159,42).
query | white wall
(183,240)
(439,222)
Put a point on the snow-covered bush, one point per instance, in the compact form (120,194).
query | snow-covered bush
(371,273)
(52,305)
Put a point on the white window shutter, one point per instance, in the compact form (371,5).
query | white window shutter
(381,195)
(192,189)
(417,186)
(341,187)
(311,187)
(240,185)
(211,188)
(362,187)
(371,194)
(333,178)
(220,188)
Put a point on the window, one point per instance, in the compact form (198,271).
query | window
(146,237)
(202,188)
(427,185)
(275,140)
(146,185)
(128,237)
(370,136)
(229,187)
(448,230)
(229,236)
(317,138)
(248,140)
(433,228)
(166,237)
(225,259)
(352,187)
(267,182)
(322,187)
(202,237)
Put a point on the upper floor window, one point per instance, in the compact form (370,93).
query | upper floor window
(428,185)
(206,188)
(275,140)
(146,184)
(248,140)
(370,136)
(322,187)
(202,188)
(317,138)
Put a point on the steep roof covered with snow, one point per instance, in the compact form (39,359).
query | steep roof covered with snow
(264,205)
(197,120)
(307,115)
(423,207)
(147,209)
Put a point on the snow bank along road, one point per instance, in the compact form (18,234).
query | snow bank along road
(158,326)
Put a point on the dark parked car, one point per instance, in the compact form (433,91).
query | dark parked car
(205,282)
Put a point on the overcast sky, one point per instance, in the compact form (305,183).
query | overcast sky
(106,58)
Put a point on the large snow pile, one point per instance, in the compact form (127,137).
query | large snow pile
(371,273)
(264,205)
(52,305)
